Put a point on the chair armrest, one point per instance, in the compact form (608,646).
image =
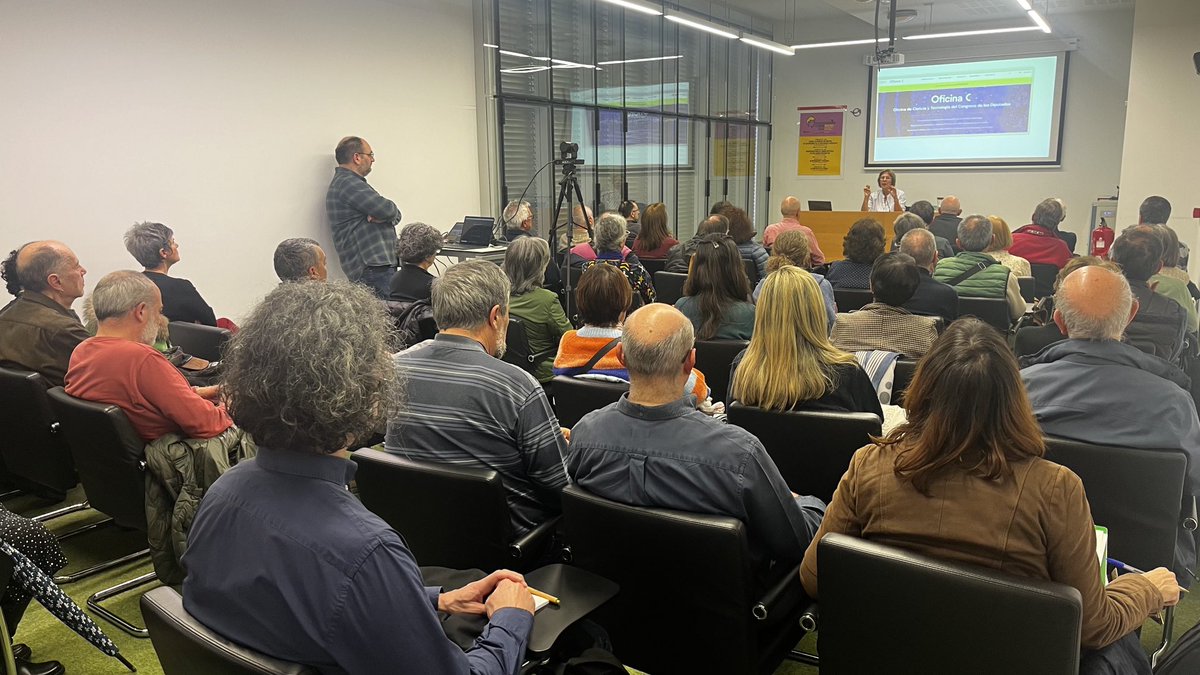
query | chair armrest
(538,356)
(787,585)
(1190,519)
(810,619)
(533,539)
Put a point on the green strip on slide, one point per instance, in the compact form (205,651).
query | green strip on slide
(955,85)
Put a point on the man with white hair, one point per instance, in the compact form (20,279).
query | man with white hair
(653,448)
(975,274)
(1092,387)
(945,222)
(518,220)
(119,366)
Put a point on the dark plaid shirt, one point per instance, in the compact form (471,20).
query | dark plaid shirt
(359,243)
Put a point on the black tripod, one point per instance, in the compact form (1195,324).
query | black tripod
(568,186)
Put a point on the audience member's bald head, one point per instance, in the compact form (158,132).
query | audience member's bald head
(921,245)
(714,224)
(950,206)
(655,342)
(1094,303)
(47,267)
(790,207)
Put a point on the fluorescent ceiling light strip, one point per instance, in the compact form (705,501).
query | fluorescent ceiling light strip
(1024,5)
(491,46)
(700,24)
(964,33)
(516,54)
(843,43)
(570,64)
(1037,18)
(649,58)
(767,44)
(637,6)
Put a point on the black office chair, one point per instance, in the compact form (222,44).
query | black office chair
(33,450)
(653,265)
(1043,278)
(714,358)
(671,616)
(886,610)
(901,378)
(669,286)
(852,299)
(992,311)
(1139,496)
(186,647)
(450,516)
(574,397)
(1028,287)
(517,350)
(199,340)
(110,459)
(812,449)
(751,271)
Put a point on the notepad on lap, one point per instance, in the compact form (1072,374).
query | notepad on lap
(1101,553)
(539,603)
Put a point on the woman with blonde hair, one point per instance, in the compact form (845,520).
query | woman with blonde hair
(792,248)
(1001,241)
(790,363)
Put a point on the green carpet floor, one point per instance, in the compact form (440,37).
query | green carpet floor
(50,639)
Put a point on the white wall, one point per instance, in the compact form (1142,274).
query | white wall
(1095,118)
(219,119)
(1162,140)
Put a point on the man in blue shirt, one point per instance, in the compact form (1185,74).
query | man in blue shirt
(282,557)
(363,221)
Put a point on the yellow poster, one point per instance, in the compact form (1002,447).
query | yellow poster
(820,148)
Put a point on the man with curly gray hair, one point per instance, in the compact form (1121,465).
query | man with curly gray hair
(281,556)
(417,248)
(476,410)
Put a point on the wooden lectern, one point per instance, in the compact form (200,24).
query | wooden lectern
(831,226)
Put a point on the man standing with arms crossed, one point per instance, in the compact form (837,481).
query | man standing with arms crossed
(363,221)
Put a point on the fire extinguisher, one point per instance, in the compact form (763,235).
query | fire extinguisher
(1102,239)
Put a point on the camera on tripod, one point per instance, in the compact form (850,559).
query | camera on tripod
(568,154)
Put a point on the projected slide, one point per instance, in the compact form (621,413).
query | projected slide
(643,144)
(1003,111)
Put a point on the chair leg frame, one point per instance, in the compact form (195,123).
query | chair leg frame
(1164,645)
(101,567)
(99,610)
(803,657)
(51,515)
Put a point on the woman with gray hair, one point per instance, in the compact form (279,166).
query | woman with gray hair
(417,247)
(153,245)
(537,308)
(609,248)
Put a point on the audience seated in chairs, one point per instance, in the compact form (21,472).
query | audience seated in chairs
(632,214)
(417,246)
(300,259)
(907,222)
(120,367)
(652,448)
(861,246)
(884,324)
(742,231)
(608,248)
(1160,325)
(590,352)
(792,249)
(1094,388)
(153,245)
(545,323)
(932,297)
(1174,285)
(282,557)
(467,407)
(1038,242)
(964,480)
(789,208)
(679,258)
(1002,240)
(1030,340)
(653,240)
(975,274)
(790,363)
(582,223)
(716,295)
(39,330)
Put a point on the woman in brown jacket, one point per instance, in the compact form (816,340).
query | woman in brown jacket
(964,480)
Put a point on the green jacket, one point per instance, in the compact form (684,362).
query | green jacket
(991,282)
(545,324)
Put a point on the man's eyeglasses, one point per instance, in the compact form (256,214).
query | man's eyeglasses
(368,154)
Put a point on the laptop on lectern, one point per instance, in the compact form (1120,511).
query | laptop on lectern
(819,206)
(476,231)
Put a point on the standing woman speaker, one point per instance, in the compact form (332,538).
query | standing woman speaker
(887,198)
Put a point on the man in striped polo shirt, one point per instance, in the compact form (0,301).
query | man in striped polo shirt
(464,406)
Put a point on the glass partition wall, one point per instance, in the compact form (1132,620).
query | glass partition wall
(661,112)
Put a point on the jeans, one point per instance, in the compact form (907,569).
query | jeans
(1123,657)
(378,279)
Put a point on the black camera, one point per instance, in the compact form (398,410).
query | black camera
(568,152)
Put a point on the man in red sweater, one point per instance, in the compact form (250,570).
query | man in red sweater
(1038,242)
(120,367)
